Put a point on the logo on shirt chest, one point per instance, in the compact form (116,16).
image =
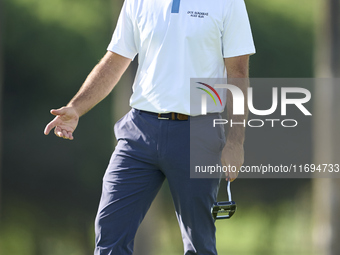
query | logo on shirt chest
(196,14)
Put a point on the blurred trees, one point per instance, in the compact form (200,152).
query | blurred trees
(52,187)
(326,128)
(1,80)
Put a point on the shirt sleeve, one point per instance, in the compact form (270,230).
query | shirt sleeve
(237,37)
(123,39)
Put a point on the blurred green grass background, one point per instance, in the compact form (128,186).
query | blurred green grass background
(50,189)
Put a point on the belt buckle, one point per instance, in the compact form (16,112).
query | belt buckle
(161,118)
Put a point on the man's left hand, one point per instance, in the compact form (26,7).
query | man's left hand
(233,156)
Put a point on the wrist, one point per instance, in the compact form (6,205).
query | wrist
(232,144)
(73,108)
(236,142)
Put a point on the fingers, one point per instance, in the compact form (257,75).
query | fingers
(50,126)
(58,131)
(230,179)
(59,111)
(67,135)
(70,135)
(54,122)
(232,172)
(64,123)
(231,176)
(233,158)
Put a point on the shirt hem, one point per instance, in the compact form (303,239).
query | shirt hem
(122,52)
(240,53)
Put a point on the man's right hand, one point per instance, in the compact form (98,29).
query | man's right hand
(64,123)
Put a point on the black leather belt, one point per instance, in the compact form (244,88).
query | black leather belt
(168,116)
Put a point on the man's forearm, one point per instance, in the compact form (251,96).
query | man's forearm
(238,73)
(236,132)
(100,82)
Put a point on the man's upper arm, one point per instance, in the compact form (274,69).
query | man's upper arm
(237,67)
(123,38)
(237,37)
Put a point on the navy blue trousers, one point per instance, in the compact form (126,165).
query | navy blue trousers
(148,151)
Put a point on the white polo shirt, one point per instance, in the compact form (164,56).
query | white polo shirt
(177,40)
